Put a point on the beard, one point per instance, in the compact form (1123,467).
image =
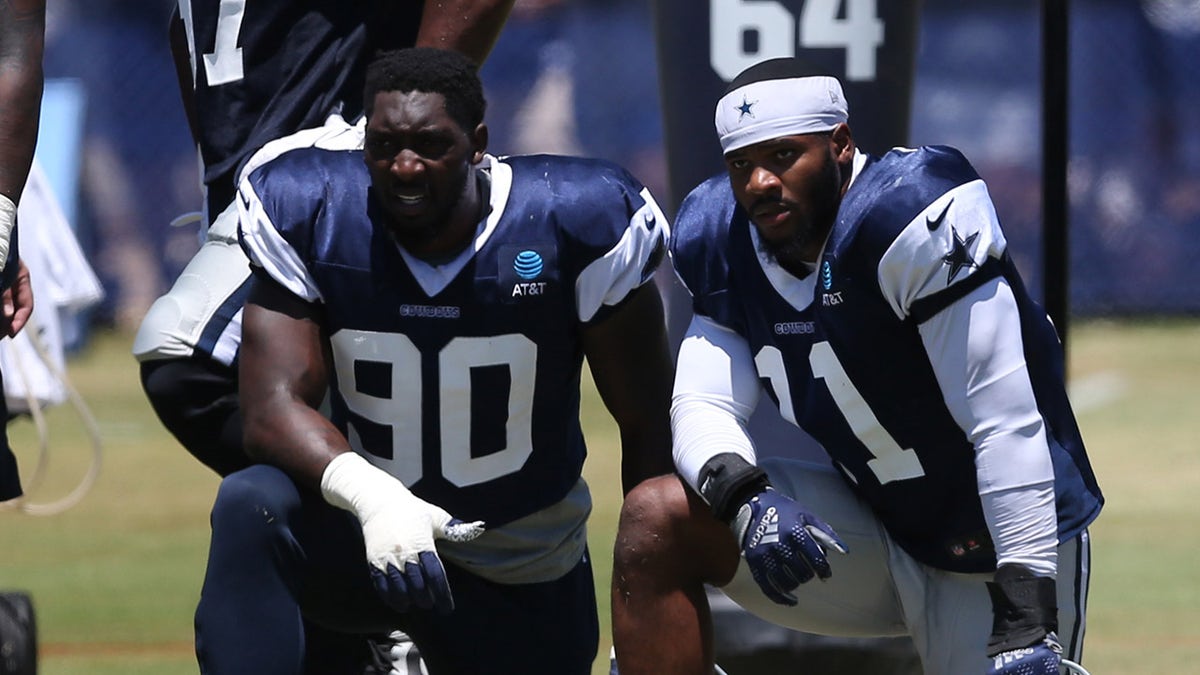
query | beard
(811,225)
(789,252)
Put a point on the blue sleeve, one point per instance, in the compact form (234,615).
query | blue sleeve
(612,233)
(701,247)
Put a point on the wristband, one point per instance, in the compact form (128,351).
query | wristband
(727,480)
(1024,608)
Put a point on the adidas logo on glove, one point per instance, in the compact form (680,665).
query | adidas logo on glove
(767,531)
(1011,656)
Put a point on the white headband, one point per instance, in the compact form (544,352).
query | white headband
(769,109)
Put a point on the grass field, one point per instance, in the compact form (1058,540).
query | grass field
(115,579)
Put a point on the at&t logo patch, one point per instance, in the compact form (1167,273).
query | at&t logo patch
(527,272)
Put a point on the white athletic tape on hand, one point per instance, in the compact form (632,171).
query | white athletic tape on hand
(8,219)
(397,525)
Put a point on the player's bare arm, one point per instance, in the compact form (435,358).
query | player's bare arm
(632,367)
(22,38)
(467,26)
(284,374)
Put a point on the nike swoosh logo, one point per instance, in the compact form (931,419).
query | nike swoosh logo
(934,223)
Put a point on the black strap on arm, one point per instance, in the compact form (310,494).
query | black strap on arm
(727,481)
(1024,608)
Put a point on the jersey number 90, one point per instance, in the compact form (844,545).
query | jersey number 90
(454,400)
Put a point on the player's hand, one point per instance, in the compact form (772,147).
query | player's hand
(1042,658)
(1024,621)
(783,543)
(399,531)
(16,303)
(399,536)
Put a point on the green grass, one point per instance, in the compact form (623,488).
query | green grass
(1145,599)
(115,579)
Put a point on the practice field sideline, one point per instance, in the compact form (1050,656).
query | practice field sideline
(115,579)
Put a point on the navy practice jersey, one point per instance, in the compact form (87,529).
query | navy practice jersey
(461,379)
(842,355)
(266,68)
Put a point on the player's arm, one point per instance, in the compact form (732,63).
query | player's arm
(467,26)
(630,362)
(977,354)
(945,271)
(22,41)
(975,347)
(283,376)
(17,302)
(716,390)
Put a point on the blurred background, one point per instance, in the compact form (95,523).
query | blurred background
(115,579)
(580,76)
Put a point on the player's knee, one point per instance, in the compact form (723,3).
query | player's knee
(159,335)
(653,517)
(667,532)
(254,504)
(654,504)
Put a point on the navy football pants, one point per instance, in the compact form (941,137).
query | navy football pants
(10,480)
(278,550)
(197,401)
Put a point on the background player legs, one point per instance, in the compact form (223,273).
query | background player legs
(10,480)
(196,400)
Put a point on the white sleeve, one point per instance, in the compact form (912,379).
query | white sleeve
(263,243)
(978,357)
(716,391)
(611,278)
(916,265)
(268,249)
(335,134)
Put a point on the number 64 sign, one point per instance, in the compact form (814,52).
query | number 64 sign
(703,44)
(744,32)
